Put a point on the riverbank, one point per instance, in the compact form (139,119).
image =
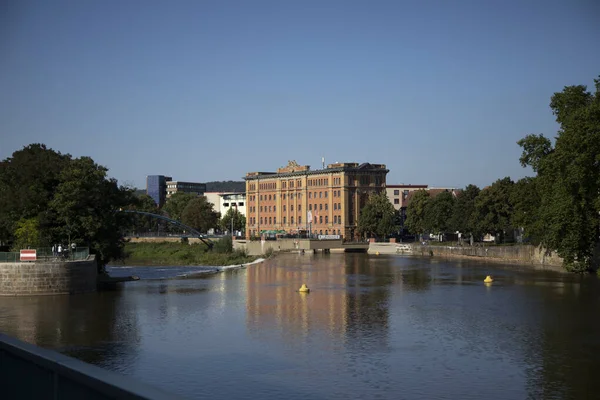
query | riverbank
(525,255)
(169,253)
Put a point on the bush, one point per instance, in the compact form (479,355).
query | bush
(225,245)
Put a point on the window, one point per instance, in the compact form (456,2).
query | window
(396,192)
(284,207)
(269,197)
(310,195)
(315,219)
(320,194)
(396,201)
(299,219)
(335,219)
(241,204)
(274,220)
(320,219)
(335,206)
(260,208)
(261,220)
(326,219)
(326,207)
(274,208)
(269,208)
(310,207)
(284,220)
(320,206)
(299,207)
(284,196)
(291,207)
(326,194)
(292,220)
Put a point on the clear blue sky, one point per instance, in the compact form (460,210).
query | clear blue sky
(440,91)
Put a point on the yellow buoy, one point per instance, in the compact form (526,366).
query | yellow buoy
(488,279)
(377,253)
(304,288)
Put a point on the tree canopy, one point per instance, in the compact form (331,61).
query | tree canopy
(177,203)
(49,198)
(416,214)
(199,214)
(377,217)
(568,177)
(239,220)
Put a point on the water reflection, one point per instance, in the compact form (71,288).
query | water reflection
(94,327)
(371,327)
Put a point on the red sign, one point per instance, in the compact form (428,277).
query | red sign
(28,255)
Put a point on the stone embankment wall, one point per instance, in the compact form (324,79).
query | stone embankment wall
(523,254)
(38,278)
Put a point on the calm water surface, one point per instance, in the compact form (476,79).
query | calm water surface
(373,327)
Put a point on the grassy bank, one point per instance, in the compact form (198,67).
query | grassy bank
(169,253)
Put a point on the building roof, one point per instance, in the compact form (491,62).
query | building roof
(408,186)
(293,169)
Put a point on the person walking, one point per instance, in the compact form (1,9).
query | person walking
(53,250)
(60,250)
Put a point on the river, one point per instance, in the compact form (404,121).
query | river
(372,327)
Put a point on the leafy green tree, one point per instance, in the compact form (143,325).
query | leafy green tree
(27,183)
(377,217)
(493,209)
(239,220)
(27,234)
(463,214)
(86,205)
(438,211)
(568,177)
(526,202)
(177,203)
(199,214)
(415,212)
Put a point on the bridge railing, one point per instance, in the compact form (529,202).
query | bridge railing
(30,372)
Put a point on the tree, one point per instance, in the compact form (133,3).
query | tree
(415,212)
(377,217)
(526,201)
(27,234)
(86,205)
(177,203)
(199,214)
(438,211)
(493,209)
(463,213)
(239,220)
(568,177)
(27,183)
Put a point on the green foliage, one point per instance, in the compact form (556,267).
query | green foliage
(174,253)
(463,214)
(239,220)
(224,245)
(525,198)
(438,212)
(568,178)
(493,209)
(72,200)
(177,203)
(377,217)
(86,206)
(27,234)
(415,212)
(199,214)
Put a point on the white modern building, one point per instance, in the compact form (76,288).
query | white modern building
(222,202)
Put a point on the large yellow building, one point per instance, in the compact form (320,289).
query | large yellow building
(325,201)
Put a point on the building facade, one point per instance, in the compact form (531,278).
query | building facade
(398,194)
(156,187)
(296,199)
(186,187)
(222,202)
